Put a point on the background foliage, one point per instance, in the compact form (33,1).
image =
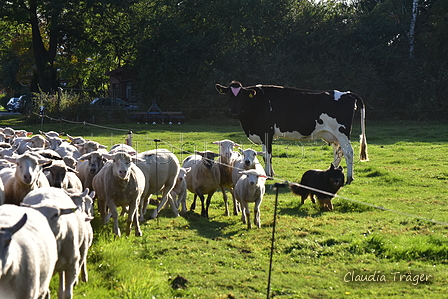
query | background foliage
(180,49)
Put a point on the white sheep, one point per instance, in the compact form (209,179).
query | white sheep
(203,178)
(76,140)
(250,188)
(179,192)
(21,144)
(60,175)
(225,162)
(84,202)
(69,227)
(120,183)
(88,166)
(121,147)
(27,176)
(160,168)
(90,146)
(247,160)
(28,253)
(67,150)
(2,193)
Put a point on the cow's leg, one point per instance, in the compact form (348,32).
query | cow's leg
(267,149)
(347,151)
(337,154)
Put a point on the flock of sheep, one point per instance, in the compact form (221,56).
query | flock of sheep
(48,186)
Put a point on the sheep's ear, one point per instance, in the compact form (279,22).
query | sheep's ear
(43,161)
(187,169)
(102,146)
(260,153)
(92,194)
(11,159)
(216,142)
(69,169)
(332,166)
(216,155)
(13,229)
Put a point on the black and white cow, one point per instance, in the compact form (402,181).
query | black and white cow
(267,112)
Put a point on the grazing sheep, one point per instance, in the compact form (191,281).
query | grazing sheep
(203,178)
(250,188)
(120,183)
(88,166)
(70,229)
(28,253)
(27,176)
(247,160)
(60,175)
(180,190)
(330,180)
(225,162)
(160,168)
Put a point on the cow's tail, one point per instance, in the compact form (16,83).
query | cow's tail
(362,138)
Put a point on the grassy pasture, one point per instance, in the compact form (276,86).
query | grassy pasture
(397,249)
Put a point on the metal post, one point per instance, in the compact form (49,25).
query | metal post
(276,186)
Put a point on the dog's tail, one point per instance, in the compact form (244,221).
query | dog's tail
(295,188)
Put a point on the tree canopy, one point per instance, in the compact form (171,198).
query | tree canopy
(393,53)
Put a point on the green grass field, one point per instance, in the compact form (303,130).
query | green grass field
(355,251)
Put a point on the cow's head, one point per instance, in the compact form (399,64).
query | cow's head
(237,94)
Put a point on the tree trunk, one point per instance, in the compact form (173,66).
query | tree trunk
(412,28)
(43,58)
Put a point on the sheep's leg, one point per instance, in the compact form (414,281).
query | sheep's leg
(144,201)
(247,212)
(70,279)
(193,204)
(114,213)
(224,197)
(201,196)
(257,213)
(236,204)
(209,199)
(133,218)
(182,199)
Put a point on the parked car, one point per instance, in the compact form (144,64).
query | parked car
(14,104)
(112,103)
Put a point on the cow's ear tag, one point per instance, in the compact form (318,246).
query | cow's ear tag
(251,95)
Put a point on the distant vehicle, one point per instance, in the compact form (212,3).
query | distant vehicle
(112,103)
(14,104)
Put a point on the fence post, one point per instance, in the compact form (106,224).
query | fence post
(276,186)
(129,138)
